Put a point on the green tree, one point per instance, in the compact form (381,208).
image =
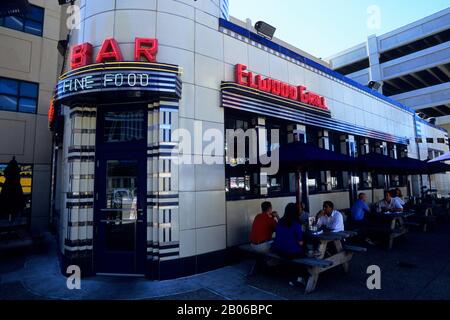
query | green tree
(12,199)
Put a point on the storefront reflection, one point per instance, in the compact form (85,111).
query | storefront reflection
(121,204)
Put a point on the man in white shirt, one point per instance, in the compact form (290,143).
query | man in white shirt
(329,218)
(389,204)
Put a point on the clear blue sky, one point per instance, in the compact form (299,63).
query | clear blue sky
(325,27)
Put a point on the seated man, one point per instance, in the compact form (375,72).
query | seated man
(330,219)
(360,208)
(263,228)
(389,204)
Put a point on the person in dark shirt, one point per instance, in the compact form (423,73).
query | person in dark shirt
(288,234)
(360,208)
(263,228)
(288,242)
(359,211)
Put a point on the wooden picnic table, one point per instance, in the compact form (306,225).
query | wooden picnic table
(341,256)
(393,225)
(403,214)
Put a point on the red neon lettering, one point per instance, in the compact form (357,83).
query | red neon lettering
(109,51)
(284,90)
(145,47)
(262,84)
(323,103)
(251,83)
(293,93)
(81,55)
(312,99)
(276,87)
(241,74)
(302,96)
(269,85)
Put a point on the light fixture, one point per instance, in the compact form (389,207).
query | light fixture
(374,85)
(62,47)
(264,29)
(64,2)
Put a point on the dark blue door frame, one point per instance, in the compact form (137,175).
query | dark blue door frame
(120,261)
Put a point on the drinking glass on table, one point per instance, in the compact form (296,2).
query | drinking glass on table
(312,224)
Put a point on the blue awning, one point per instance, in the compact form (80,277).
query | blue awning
(304,156)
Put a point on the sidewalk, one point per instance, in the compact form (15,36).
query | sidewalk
(38,277)
(417,268)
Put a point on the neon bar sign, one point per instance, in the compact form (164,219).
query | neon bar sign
(278,88)
(144,49)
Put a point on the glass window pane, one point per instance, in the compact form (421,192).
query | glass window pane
(121,198)
(124,126)
(8,103)
(14,23)
(33,27)
(27,105)
(29,90)
(8,86)
(35,13)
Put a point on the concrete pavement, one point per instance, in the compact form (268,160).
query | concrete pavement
(417,268)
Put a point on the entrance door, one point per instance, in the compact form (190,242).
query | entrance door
(120,219)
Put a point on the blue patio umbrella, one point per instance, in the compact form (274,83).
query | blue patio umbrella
(378,163)
(305,156)
(444,157)
(300,157)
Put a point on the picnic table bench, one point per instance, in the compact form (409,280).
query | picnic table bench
(323,261)
(427,219)
(391,226)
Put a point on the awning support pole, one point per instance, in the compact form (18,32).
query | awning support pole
(298,187)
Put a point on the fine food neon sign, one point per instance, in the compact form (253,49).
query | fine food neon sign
(278,88)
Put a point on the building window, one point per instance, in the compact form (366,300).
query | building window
(392,150)
(380,181)
(32,22)
(402,151)
(364,181)
(363,146)
(26,179)
(440,140)
(124,126)
(398,181)
(239,125)
(379,147)
(242,182)
(18,96)
(316,182)
(281,185)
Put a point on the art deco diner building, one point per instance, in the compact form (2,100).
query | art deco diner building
(137,70)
